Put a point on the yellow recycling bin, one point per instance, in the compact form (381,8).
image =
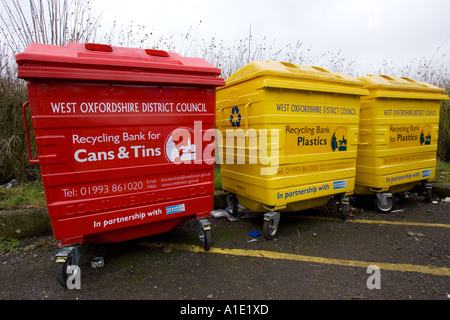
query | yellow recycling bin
(287,137)
(399,124)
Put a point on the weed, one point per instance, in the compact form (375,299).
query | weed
(217,178)
(24,195)
(437,291)
(442,171)
(9,245)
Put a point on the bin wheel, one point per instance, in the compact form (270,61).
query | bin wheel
(234,202)
(344,207)
(270,229)
(428,194)
(344,213)
(390,202)
(67,256)
(61,271)
(205,239)
(204,233)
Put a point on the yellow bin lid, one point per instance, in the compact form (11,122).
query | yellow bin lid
(286,75)
(382,86)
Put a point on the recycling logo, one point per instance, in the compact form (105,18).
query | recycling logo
(425,139)
(340,145)
(235,117)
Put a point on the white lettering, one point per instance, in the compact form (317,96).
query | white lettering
(93,140)
(63,107)
(77,155)
(197,310)
(82,155)
(103,107)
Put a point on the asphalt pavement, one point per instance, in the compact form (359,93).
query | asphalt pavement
(403,255)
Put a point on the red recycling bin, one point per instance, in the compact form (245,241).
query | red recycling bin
(124,137)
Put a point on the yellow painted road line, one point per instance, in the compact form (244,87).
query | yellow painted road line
(403,223)
(436,271)
(399,223)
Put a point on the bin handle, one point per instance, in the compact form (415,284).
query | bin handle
(30,157)
(246,116)
(247,138)
(366,131)
(218,123)
(157,53)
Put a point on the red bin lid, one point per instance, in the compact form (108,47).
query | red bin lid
(90,61)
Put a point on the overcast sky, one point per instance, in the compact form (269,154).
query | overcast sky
(366,30)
